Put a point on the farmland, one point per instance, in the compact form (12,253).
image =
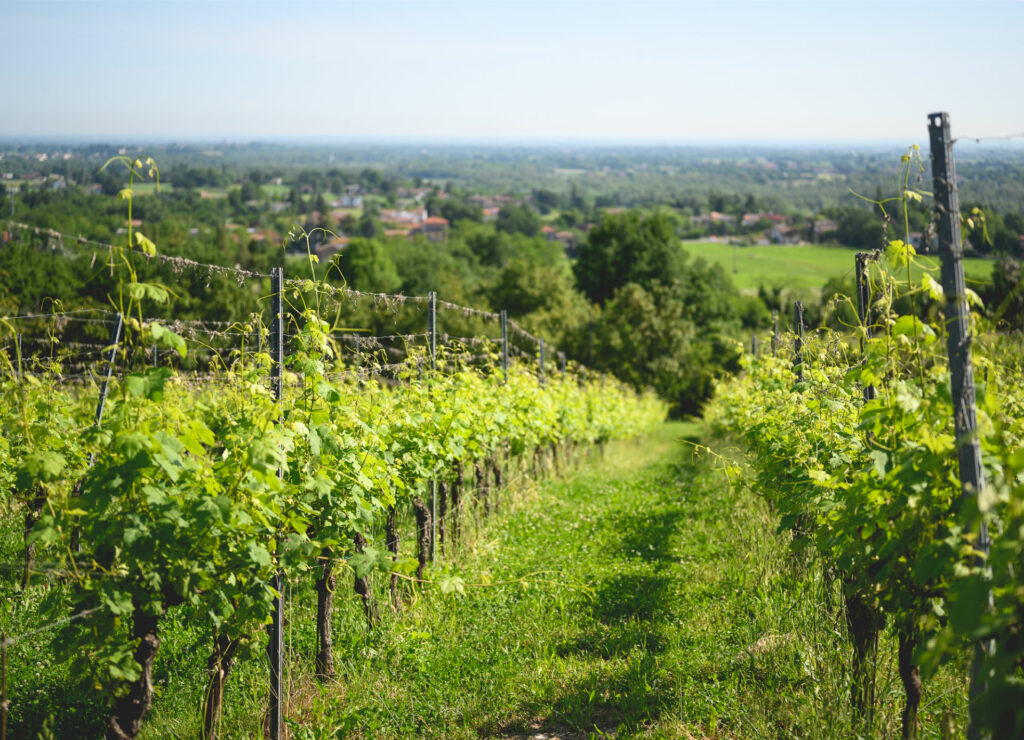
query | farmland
(805,267)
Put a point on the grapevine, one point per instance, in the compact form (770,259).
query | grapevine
(193,496)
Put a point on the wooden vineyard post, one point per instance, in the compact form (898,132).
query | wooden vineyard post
(504,345)
(275,648)
(798,341)
(504,370)
(432,345)
(863,622)
(863,299)
(541,343)
(432,328)
(753,343)
(775,332)
(958,347)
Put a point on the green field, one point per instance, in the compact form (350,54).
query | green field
(149,188)
(805,268)
(275,191)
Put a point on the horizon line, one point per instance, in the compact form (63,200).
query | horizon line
(542,142)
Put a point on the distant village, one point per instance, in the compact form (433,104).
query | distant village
(410,218)
(263,211)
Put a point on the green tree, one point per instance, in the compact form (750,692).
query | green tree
(492,248)
(542,297)
(546,200)
(859,227)
(366,265)
(348,224)
(628,248)
(455,209)
(495,248)
(576,199)
(320,206)
(515,219)
(369,226)
(570,218)
(251,191)
(644,338)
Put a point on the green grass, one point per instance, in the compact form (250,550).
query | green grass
(803,268)
(641,596)
(272,190)
(149,188)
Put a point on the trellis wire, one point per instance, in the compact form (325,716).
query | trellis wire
(179,263)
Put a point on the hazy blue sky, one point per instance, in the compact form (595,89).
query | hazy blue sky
(679,71)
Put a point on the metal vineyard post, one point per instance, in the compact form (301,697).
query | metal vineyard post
(432,342)
(863,298)
(775,332)
(504,344)
(541,343)
(275,649)
(958,347)
(798,341)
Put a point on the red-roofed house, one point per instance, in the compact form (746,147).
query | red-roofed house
(434,228)
(406,219)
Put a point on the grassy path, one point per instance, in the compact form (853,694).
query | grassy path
(656,614)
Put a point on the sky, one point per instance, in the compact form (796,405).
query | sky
(638,72)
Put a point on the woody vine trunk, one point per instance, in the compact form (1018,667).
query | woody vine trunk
(863,623)
(391,540)
(129,710)
(442,512)
(35,508)
(423,534)
(362,586)
(218,666)
(325,586)
(456,493)
(911,677)
(496,477)
(481,486)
